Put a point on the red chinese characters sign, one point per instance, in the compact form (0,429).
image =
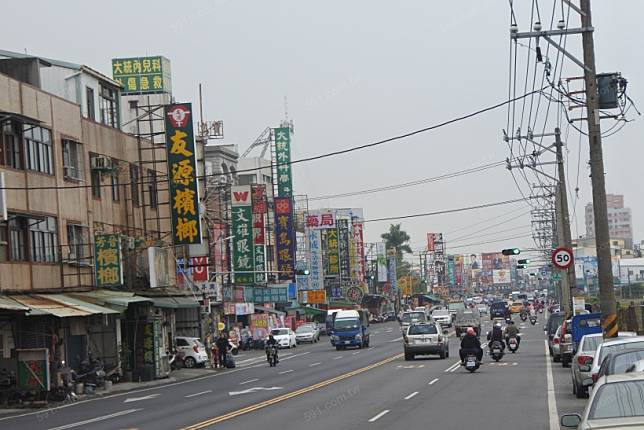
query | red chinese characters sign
(320,220)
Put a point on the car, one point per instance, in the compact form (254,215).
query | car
(581,362)
(620,362)
(285,337)
(611,346)
(498,309)
(554,321)
(316,328)
(425,338)
(565,343)
(482,309)
(306,333)
(411,317)
(516,307)
(555,350)
(615,403)
(193,351)
(442,317)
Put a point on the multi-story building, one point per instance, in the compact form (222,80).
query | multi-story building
(619,220)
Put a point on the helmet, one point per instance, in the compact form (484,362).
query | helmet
(498,324)
(470,331)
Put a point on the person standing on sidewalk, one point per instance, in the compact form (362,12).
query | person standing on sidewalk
(222,346)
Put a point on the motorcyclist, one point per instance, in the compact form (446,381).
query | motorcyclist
(470,344)
(512,331)
(496,335)
(271,343)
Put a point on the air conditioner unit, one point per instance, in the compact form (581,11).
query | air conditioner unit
(101,162)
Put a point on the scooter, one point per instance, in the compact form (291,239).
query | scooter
(496,351)
(232,348)
(513,344)
(533,319)
(524,317)
(471,363)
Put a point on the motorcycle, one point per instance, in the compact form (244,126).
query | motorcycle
(471,363)
(513,344)
(92,373)
(524,316)
(496,351)
(232,348)
(533,319)
(271,357)
(176,359)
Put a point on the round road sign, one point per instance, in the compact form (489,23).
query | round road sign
(562,258)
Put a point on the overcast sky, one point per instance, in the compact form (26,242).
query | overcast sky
(355,72)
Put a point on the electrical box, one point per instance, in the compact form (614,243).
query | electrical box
(607,84)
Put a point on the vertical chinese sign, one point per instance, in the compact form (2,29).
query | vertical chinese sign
(316,271)
(283,162)
(358,238)
(332,252)
(107,260)
(182,171)
(381,258)
(285,238)
(259,232)
(343,250)
(242,222)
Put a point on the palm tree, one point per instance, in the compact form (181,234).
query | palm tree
(398,239)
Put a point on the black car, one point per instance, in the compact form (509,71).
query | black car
(499,310)
(554,321)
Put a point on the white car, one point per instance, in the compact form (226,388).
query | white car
(482,309)
(194,352)
(442,317)
(609,346)
(285,337)
(307,333)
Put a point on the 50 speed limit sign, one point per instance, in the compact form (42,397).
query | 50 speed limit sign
(562,258)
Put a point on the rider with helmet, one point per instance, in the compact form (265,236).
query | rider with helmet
(470,344)
(496,335)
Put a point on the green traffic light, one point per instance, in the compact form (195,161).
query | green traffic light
(511,251)
(526,261)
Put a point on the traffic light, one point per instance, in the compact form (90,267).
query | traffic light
(511,251)
(302,272)
(522,266)
(523,262)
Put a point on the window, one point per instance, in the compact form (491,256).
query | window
(108,106)
(95,177)
(11,145)
(114,176)
(91,107)
(44,239)
(38,149)
(78,242)
(4,242)
(152,189)
(17,238)
(134,184)
(72,159)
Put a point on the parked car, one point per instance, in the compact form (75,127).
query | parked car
(582,361)
(573,330)
(425,338)
(285,337)
(615,403)
(553,323)
(192,350)
(306,333)
(555,349)
(611,346)
(620,362)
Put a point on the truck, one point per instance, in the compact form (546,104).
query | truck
(467,318)
(573,330)
(350,328)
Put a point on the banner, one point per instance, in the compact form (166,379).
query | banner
(451,275)
(259,326)
(283,162)
(430,242)
(107,260)
(219,248)
(182,171)
(458,269)
(381,258)
(199,268)
(316,271)
(242,234)
(320,219)
(284,238)
(330,240)
(392,271)
(358,238)
(259,206)
(343,250)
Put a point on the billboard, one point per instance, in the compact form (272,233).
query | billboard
(259,206)
(242,234)
(158,267)
(285,238)
(332,261)
(381,258)
(430,242)
(501,277)
(343,249)
(283,161)
(358,239)
(142,75)
(495,261)
(316,271)
(108,260)
(182,172)
(320,219)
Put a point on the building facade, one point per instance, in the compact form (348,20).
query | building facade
(619,220)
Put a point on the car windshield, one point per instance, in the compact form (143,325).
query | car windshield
(346,324)
(591,343)
(422,329)
(554,322)
(279,331)
(618,400)
(498,306)
(304,329)
(609,349)
(413,317)
(625,361)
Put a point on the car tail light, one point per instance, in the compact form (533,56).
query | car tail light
(555,341)
(584,359)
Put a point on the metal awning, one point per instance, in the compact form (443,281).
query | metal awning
(6,116)
(6,304)
(118,300)
(59,305)
(269,310)
(308,310)
(175,302)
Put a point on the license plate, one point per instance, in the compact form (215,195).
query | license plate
(496,351)
(471,362)
(347,342)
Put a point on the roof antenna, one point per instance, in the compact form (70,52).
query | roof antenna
(286,122)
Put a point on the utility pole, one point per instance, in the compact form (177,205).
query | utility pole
(568,278)
(602,237)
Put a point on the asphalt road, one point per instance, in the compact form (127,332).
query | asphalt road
(317,387)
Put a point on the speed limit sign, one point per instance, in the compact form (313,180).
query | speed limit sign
(562,258)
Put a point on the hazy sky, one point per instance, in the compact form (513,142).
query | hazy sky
(354,72)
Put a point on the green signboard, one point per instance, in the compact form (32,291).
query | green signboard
(283,162)
(107,260)
(33,369)
(270,295)
(141,74)
(243,263)
(182,170)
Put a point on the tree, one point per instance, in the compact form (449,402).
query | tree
(398,239)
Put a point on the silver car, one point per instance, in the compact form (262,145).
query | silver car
(614,345)
(582,361)
(425,338)
(556,346)
(616,402)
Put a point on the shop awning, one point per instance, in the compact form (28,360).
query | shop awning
(175,302)
(59,305)
(6,304)
(313,311)
(118,300)
(268,310)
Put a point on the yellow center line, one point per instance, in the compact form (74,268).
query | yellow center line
(251,408)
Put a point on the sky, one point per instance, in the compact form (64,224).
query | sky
(361,71)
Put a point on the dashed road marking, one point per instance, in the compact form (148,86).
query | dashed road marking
(411,395)
(249,381)
(433,381)
(380,415)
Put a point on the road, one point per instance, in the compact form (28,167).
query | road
(316,386)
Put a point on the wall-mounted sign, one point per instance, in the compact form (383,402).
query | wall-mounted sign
(283,162)
(242,221)
(142,74)
(107,260)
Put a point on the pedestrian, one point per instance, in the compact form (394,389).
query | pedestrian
(214,352)
(222,346)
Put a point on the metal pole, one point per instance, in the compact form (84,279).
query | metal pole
(602,237)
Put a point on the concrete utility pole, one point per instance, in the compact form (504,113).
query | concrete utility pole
(568,278)
(602,237)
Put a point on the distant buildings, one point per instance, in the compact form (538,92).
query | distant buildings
(619,220)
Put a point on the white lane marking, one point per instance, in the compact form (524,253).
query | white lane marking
(249,381)
(136,399)
(338,357)
(197,394)
(296,355)
(453,366)
(97,419)
(515,363)
(355,353)
(286,371)
(552,401)
(314,364)
(380,415)
(252,390)
(398,339)
(433,381)
(411,395)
